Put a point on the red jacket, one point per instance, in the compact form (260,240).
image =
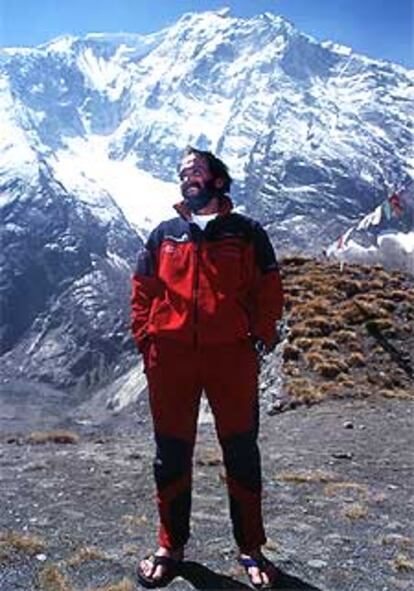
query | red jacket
(203,287)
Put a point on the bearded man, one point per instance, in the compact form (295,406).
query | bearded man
(207,295)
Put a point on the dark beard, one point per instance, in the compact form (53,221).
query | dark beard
(202,198)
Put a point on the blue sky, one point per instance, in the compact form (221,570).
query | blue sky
(378,28)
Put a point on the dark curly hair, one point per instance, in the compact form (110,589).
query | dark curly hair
(216,166)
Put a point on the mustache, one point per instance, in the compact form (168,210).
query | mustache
(192,185)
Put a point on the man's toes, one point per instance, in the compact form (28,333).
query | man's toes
(255,576)
(158,573)
(147,568)
(265,579)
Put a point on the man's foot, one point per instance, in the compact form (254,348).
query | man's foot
(160,568)
(261,572)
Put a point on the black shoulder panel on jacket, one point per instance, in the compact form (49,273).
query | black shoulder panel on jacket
(175,229)
(265,255)
(236,225)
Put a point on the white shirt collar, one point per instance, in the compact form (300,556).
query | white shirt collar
(202,220)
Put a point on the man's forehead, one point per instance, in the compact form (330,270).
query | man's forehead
(192,160)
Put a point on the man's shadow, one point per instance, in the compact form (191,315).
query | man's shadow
(202,577)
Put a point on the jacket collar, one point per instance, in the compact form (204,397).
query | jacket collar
(225,207)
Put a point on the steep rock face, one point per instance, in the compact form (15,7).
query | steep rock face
(64,287)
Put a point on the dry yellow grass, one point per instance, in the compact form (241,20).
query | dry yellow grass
(123,585)
(272,545)
(131,550)
(135,520)
(332,389)
(335,488)
(320,325)
(350,313)
(300,331)
(330,369)
(304,391)
(397,295)
(56,436)
(326,344)
(314,358)
(290,352)
(349,287)
(304,343)
(51,579)
(402,563)
(398,393)
(387,304)
(356,359)
(86,554)
(291,369)
(345,336)
(381,324)
(314,307)
(355,511)
(376,284)
(346,382)
(397,540)
(331,345)
(310,476)
(28,544)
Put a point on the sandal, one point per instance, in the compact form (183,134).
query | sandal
(170,565)
(264,565)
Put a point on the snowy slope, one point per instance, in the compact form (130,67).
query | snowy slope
(85,169)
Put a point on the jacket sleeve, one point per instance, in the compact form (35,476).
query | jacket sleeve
(267,291)
(145,287)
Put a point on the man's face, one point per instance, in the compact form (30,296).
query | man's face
(195,176)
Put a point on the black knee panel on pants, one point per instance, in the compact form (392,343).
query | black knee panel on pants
(172,460)
(242,459)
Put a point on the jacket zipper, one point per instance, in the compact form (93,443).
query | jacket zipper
(195,292)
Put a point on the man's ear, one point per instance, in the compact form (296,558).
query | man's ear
(218,183)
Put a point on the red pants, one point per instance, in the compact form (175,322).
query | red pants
(177,374)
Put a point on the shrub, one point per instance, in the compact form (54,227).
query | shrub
(356,360)
(304,391)
(329,369)
(304,343)
(290,352)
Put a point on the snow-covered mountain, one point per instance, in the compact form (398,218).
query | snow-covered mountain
(314,134)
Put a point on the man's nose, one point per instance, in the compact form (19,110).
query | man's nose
(188,178)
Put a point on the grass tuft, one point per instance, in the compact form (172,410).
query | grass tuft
(25,543)
(306,477)
(123,585)
(86,554)
(51,579)
(355,511)
(57,436)
(402,563)
(345,487)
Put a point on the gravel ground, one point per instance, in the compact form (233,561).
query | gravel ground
(338,503)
